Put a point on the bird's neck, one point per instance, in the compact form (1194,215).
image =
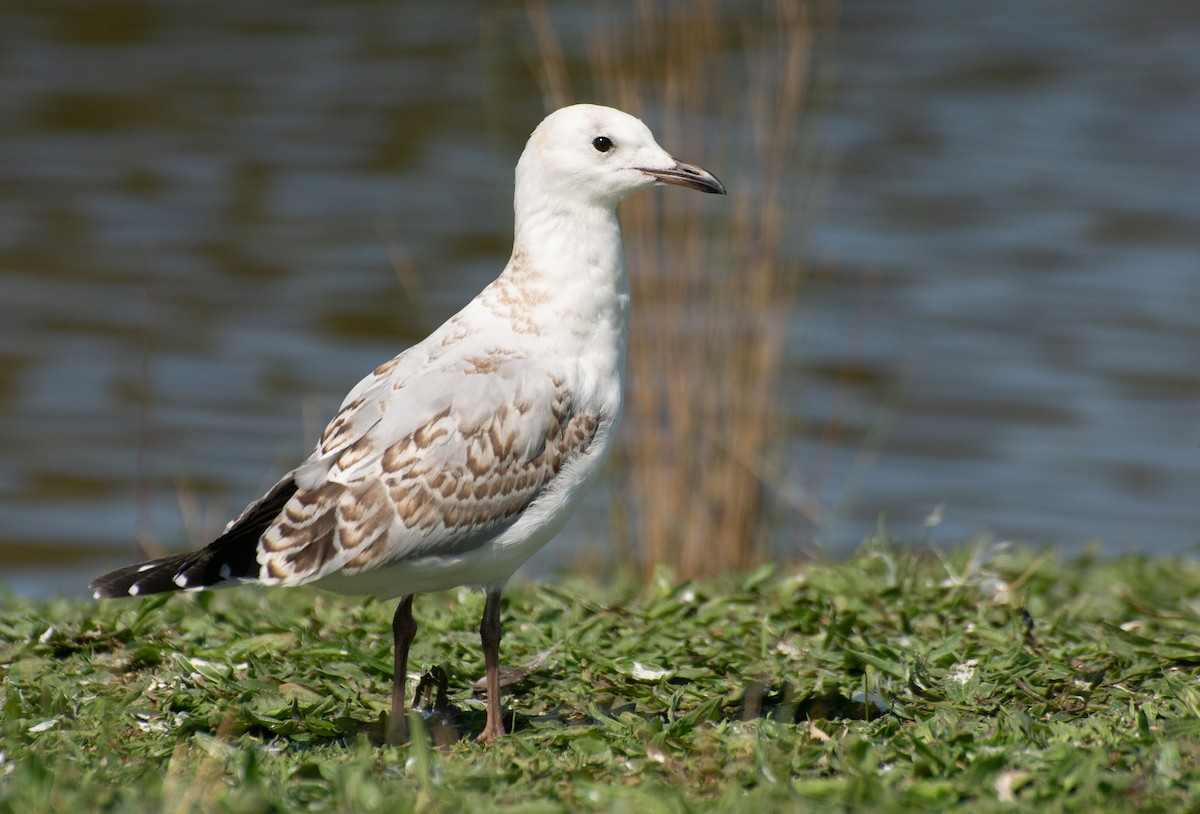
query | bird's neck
(567,241)
(568,273)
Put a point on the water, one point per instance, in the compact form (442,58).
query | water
(201,209)
(1024,186)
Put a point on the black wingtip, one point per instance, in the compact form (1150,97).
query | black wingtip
(228,560)
(141,579)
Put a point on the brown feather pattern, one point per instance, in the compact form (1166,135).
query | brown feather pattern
(444,488)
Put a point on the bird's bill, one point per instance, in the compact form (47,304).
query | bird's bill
(688,175)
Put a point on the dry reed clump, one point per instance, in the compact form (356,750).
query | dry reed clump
(715,284)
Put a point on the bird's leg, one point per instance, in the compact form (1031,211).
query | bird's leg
(489,635)
(404,630)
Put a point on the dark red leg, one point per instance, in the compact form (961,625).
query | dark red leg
(489,635)
(404,630)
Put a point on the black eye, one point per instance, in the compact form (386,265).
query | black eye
(602,143)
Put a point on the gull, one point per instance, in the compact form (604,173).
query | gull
(453,463)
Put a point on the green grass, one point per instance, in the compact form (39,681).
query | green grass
(890,682)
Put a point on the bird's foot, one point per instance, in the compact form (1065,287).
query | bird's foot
(397,730)
(493,730)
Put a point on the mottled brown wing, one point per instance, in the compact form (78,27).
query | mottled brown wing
(455,481)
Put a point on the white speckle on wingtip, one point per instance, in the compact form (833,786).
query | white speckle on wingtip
(226,571)
(180,580)
(134,589)
(97,595)
(145,567)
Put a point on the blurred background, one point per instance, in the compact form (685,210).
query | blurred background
(955,288)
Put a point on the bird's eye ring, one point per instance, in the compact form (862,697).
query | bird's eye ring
(602,144)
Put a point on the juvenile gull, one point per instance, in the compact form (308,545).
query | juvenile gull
(454,462)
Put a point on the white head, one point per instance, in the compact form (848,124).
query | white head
(598,156)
